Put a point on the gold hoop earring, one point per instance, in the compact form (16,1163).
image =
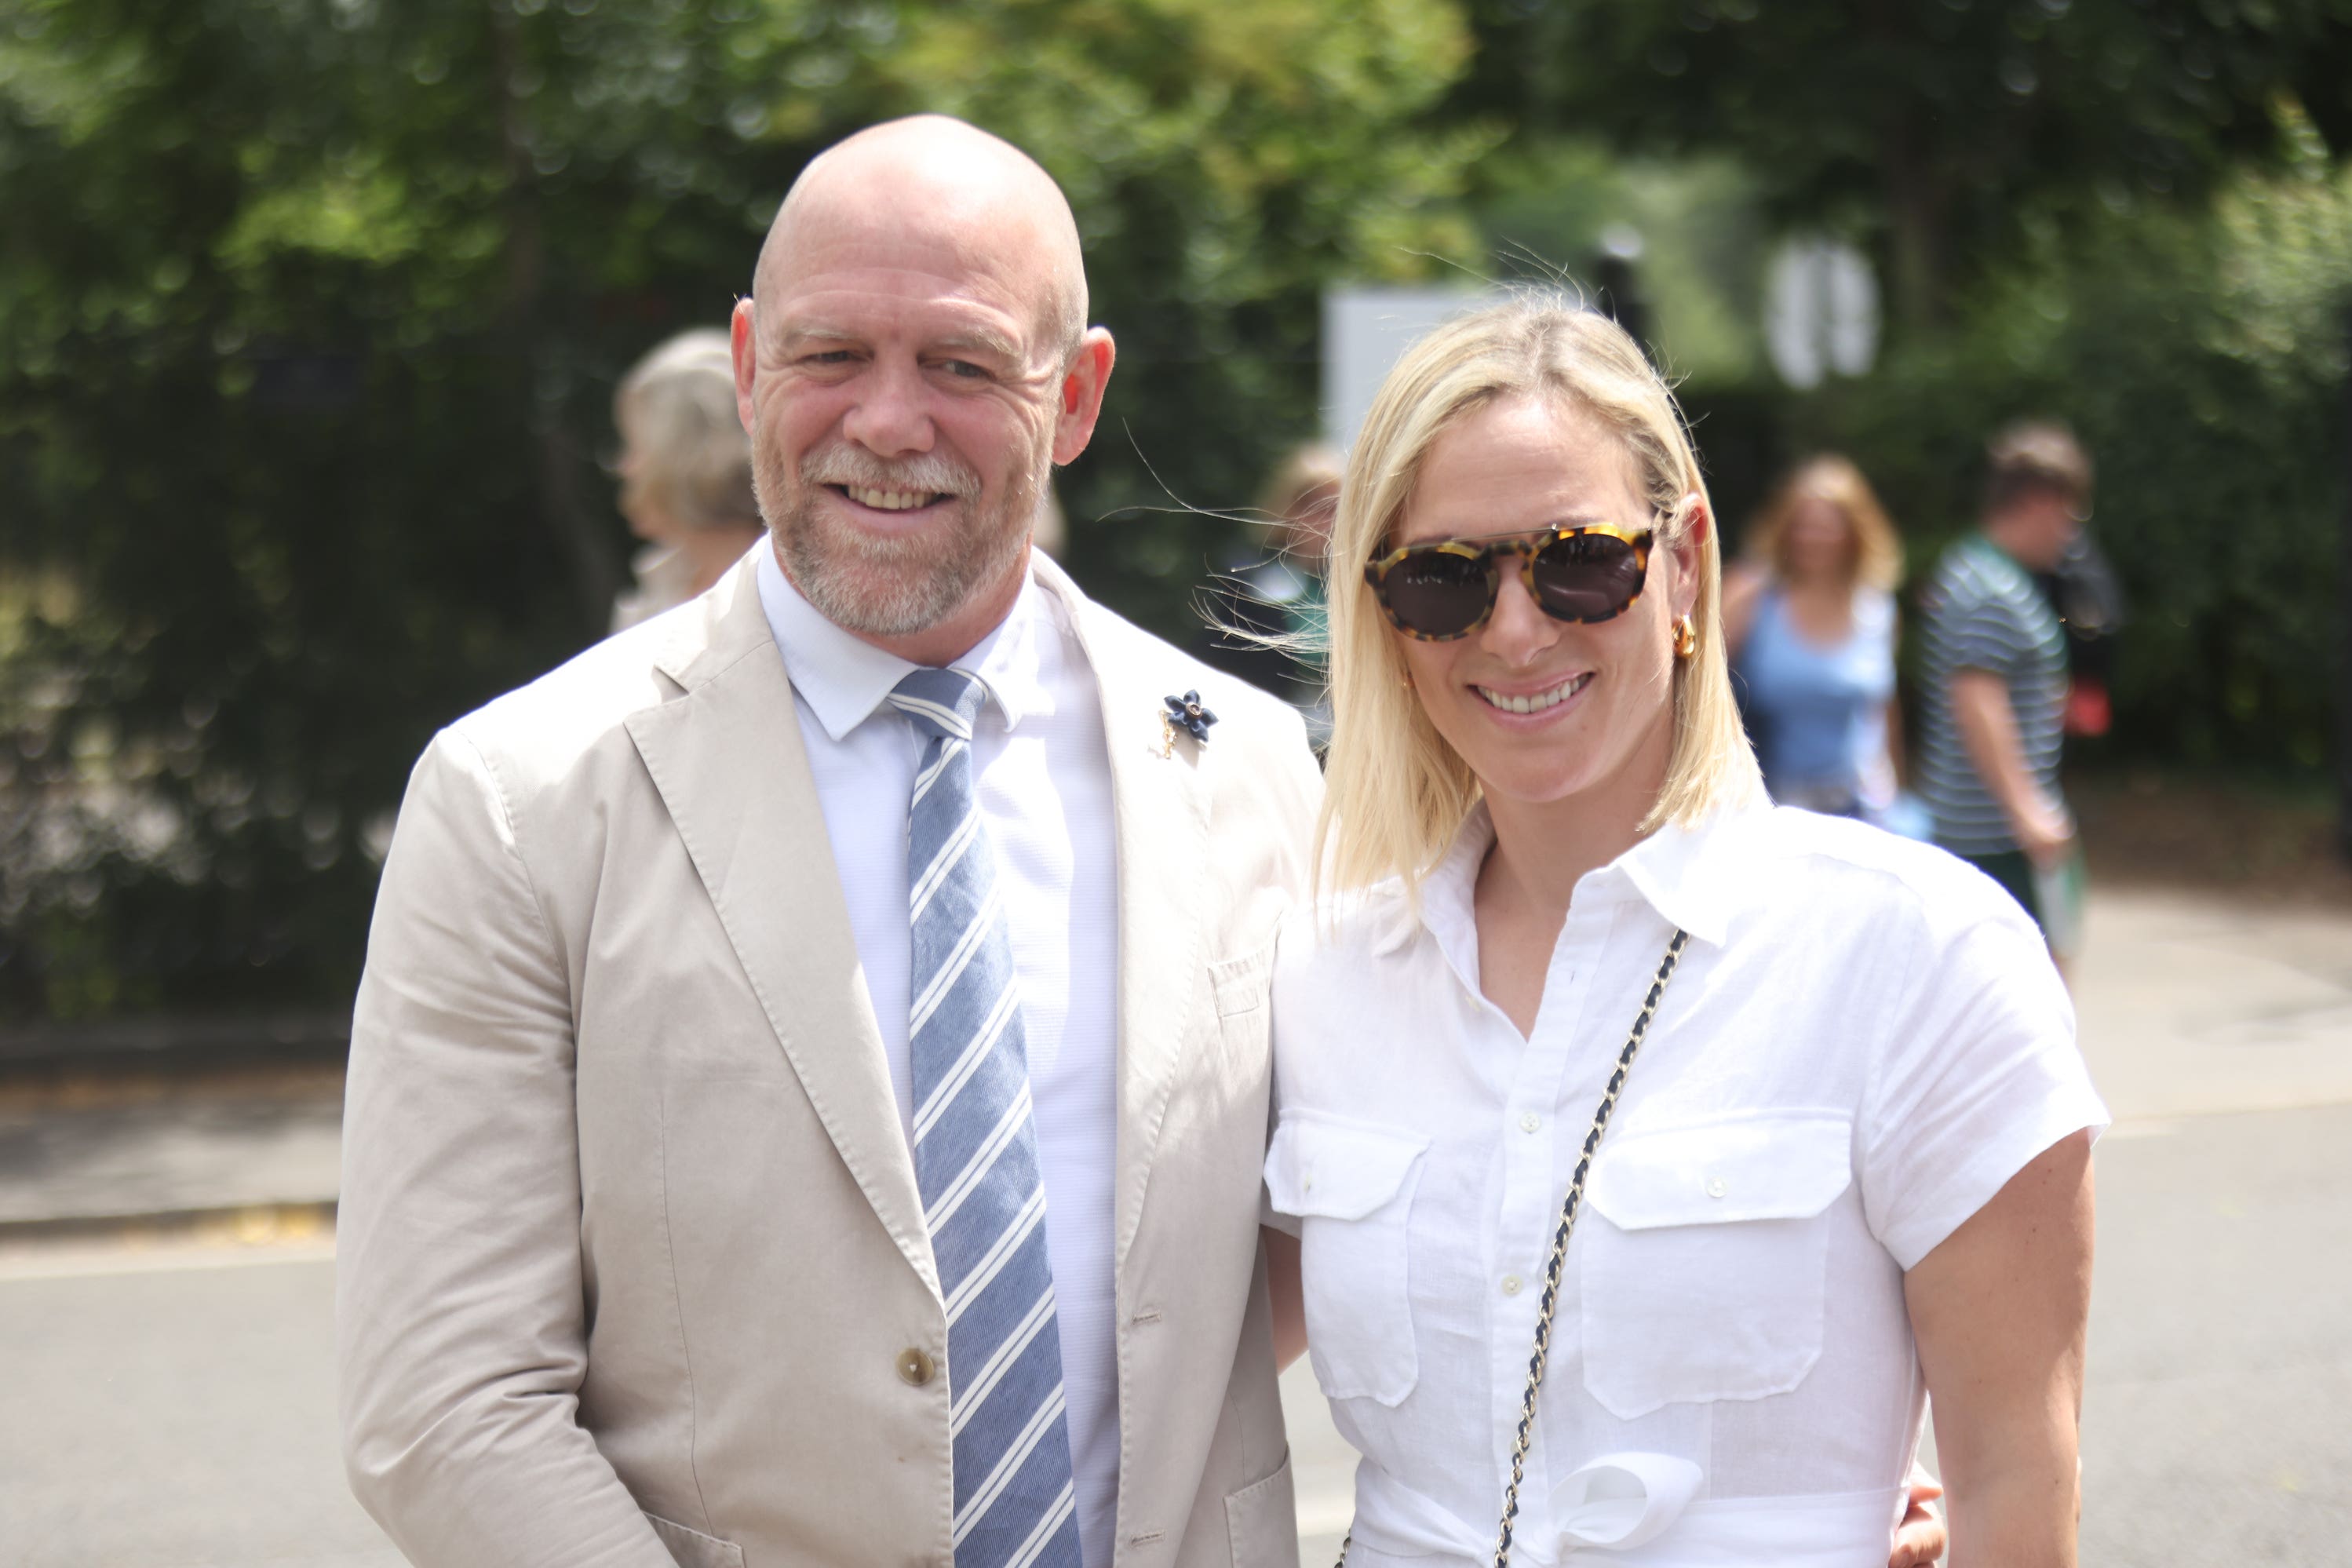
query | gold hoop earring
(1685,637)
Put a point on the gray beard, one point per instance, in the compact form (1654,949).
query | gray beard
(894,587)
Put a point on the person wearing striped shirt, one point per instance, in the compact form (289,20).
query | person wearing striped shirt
(1994,679)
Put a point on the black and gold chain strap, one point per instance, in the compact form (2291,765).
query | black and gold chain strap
(1559,1248)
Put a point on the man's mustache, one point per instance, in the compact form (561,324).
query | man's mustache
(929,472)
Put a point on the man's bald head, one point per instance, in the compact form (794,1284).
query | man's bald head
(969,194)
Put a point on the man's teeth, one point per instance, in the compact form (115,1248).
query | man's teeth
(888,501)
(1540,700)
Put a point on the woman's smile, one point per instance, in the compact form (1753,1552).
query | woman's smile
(1544,703)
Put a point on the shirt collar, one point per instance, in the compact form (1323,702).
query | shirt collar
(1690,875)
(843,678)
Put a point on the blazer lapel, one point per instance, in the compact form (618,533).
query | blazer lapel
(730,766)
(1162,836)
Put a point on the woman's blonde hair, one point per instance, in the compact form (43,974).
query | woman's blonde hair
(1835,480)
(685,450)
(1396,792)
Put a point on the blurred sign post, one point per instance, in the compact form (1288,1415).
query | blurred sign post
(1821,312)
(1366,331)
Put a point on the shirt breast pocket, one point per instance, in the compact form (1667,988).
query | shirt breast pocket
(1706,1263)
(1352,1186)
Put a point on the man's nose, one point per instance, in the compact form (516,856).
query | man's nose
(891,417)
(1518,632)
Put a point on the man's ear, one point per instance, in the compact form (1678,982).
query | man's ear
(1081,398)
(742,343)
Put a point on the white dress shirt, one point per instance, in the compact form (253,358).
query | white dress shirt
(1042,771)
(1865,1041)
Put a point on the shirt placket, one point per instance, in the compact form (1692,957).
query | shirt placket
(1533,1178)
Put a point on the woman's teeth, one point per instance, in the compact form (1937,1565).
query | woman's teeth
(1540,700)
(886,501)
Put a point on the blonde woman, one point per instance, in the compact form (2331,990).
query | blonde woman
(1810,625)
(1846,1159)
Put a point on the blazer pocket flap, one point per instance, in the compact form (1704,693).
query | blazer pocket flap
(692,1549)
(1262,1519)
(1336,1170)
(1763,1167)
(1240,982)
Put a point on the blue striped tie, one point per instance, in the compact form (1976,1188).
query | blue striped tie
(976,1160)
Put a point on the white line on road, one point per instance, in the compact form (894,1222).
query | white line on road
(80,1260)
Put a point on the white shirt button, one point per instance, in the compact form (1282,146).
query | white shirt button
(1716,1187)
(1530,1121)
(1510,1284)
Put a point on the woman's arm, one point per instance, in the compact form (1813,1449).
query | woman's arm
(1998,1309)
(1288,1300)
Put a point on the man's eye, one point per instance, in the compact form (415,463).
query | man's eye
(963,369)
(829,356)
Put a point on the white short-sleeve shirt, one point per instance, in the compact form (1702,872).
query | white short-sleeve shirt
(1865,1041)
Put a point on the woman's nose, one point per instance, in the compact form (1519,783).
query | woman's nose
(1518,632)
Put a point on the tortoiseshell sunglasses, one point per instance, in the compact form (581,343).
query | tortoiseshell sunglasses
(1447,588)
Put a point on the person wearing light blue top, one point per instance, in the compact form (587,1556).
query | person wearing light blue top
(1811,623)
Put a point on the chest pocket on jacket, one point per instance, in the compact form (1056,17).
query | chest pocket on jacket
(1351,1185)
(1706,1257)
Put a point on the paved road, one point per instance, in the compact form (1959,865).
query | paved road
(178,1415)
(172,1407)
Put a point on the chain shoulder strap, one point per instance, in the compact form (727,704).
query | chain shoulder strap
(1559,1259)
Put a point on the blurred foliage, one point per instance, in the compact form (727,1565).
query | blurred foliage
(310,316)
(1692,228)
(1930,128)
(310,312)
(2202,356)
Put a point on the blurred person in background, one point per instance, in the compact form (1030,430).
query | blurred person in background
(1053,534)
(2089,598)
(1266,603)
(685,469)
(1994,680)
(1810,621)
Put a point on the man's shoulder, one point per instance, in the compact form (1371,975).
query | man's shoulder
(1972,582)
(1133,665)
(543,728)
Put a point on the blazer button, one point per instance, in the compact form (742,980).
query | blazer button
(915,1367)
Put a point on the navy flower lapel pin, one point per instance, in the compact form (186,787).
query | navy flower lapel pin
(1187,714)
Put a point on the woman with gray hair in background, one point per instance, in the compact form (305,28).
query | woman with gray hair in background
(686,473)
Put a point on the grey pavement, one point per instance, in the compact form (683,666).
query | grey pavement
(164,1158)
(175,1408)
(173,1405)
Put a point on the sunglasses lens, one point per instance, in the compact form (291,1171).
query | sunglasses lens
(1588,577)
(1437,594)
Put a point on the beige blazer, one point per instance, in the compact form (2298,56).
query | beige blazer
(630,1258)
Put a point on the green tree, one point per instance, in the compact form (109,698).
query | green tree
(2202,357)
(1932,128)
(310,315)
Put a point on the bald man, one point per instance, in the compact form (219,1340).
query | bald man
(809,1081)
